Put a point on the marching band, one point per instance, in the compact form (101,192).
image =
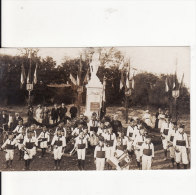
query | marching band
(111,145)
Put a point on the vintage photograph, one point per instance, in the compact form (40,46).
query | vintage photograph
(106,108)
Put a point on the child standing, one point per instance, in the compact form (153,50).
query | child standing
(9,147)
(81,146)
(44,139)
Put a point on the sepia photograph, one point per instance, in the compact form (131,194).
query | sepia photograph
(95,108)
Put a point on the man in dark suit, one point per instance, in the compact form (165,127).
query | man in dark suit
(4,120)
(73,112)
(116,124)
(55,114)
(62,111)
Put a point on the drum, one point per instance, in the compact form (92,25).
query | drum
(120,162)
(124,161)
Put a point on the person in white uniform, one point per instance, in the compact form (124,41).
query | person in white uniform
(147,118)
(93,124)
(147,153)
(18,129)
(39,114)
(100,155)
(44,138)
(101,129)
(81,146)
(58,144)
(131,133)
(9,146)
(161,119)
(166,126)
(171,134)
(139,140)
(110,140)
(29,143)
(20,139)
(181,147)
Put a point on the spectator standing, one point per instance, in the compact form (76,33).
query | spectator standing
(62,111)
(39,114)
(46,113)
(55,114)
(30,115)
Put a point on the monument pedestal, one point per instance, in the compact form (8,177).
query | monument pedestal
(93,96)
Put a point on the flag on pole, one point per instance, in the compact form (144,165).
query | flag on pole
(23,75)
(121,65)
(29,72)
(35,75)
(104,84)
(80,63)
(78,81)
(133,82)
(166,85)
(103,106)
(181,83)
(130,70)
(174,85)
(73,80)
(122,80)
(86,78)
(79,72)
(127,82)
(29,75)
(29,55)
(121,84)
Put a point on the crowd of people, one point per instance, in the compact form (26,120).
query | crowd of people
(112,145)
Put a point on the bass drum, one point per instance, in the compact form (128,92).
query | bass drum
(124,161)
(120,163)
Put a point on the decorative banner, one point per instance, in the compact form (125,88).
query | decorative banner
(175,93)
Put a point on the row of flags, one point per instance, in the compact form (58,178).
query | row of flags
(174,85)
(24,79)
(127,76)
(78,80)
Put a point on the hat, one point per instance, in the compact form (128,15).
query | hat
(120,129)
(101,138)
(147,111)
(29,131)
(94,114)
(182,126)
(175,123)
(131,120)
(108,126)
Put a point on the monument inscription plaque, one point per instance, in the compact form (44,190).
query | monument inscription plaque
(95,106)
